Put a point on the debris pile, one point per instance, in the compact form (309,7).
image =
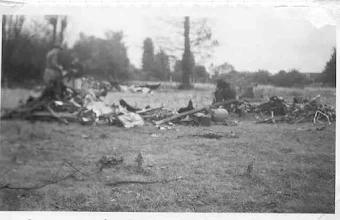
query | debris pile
(313,110)
(296,112)
(276,108)
(157,114)
(276,104)
(87,107)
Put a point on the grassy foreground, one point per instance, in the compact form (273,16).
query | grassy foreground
(293,165)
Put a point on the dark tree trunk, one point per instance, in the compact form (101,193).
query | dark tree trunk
(54,33)
(4,23)
(186,65)
(4,48)
(54,23)
(63,27)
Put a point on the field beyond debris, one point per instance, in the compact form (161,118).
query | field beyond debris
(252,167)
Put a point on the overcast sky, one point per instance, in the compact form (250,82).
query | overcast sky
(250,38)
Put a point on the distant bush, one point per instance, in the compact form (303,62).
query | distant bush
(289,79)
(292,78)
(261,77)
(329,73)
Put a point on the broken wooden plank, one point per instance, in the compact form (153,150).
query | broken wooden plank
(315,98)
(180,115)
(22,110)
(147,116)
(196,110)
(56,115)
(149,110)
(65,115)
(42,115)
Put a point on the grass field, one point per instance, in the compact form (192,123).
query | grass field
(293,165)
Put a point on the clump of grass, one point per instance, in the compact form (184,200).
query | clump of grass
(139,161)
(103,136)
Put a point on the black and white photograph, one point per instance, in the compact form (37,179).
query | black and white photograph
(216,110)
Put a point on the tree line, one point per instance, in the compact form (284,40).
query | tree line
(24,51)
(282,78)
(156,66)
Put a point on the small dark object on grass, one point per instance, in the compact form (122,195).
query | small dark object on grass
(209,135)
(204,121)
(186,109)
(250,168)
(230,123)
(103,136)
(106,162)
(232,135)
(14,158)
(321,128)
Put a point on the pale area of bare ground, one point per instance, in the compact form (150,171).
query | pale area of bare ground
(293,171)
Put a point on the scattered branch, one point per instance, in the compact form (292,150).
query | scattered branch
(78,170)
(316,116)
(38,186)
(149,110)
(41,185)
(141,182)
(57,174)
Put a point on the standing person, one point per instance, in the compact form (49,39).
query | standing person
(53,70)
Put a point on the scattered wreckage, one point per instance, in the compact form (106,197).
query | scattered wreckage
(296,112)
(87,107)
(111,85)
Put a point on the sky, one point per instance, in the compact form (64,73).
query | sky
(249,38)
